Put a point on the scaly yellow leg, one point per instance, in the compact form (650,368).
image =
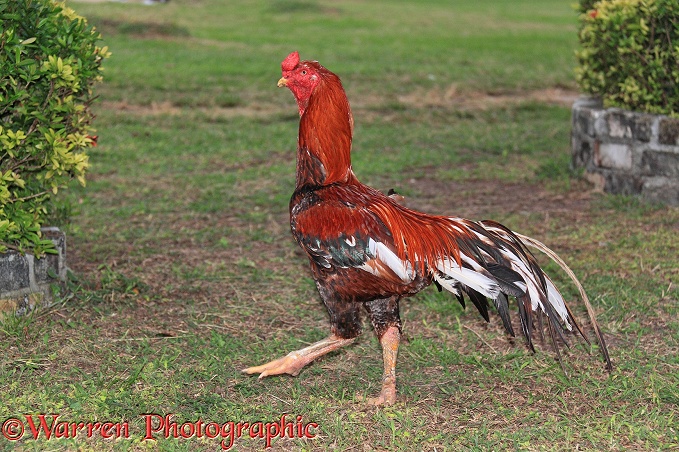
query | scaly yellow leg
(390,341)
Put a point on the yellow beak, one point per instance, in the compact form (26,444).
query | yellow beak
(282,82)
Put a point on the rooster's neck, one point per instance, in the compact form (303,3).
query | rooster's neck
(325,134)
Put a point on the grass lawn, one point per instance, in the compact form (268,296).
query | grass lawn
(185,271)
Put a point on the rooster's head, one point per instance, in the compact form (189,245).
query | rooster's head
(301,77)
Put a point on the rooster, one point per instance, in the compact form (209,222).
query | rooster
(368,251)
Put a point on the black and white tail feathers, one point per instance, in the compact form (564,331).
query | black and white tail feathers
(495,263)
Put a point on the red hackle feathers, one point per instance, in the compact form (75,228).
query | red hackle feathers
(324,146)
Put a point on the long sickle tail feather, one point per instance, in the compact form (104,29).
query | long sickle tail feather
(590,311)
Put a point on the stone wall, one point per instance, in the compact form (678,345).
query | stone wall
(625,152)
(25,282)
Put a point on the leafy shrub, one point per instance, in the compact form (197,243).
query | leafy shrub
(49,62)
(629,53)
(586,5)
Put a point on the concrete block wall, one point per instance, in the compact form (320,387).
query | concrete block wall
(25,282)
(625,152)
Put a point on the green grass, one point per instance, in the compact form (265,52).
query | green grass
(184,269)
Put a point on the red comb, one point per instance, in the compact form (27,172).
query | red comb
(290,62)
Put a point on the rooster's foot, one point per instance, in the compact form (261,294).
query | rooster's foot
(294,362)
(387,396)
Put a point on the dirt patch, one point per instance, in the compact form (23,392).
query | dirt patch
(481,100)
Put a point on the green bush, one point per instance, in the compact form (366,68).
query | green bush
(586,5)
(49,61)
(629,54)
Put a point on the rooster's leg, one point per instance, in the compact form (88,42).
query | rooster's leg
(385,318)
(390,341)
(293,362)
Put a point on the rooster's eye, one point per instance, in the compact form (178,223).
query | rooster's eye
(303,72)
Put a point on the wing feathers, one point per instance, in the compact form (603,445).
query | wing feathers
(383,255)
